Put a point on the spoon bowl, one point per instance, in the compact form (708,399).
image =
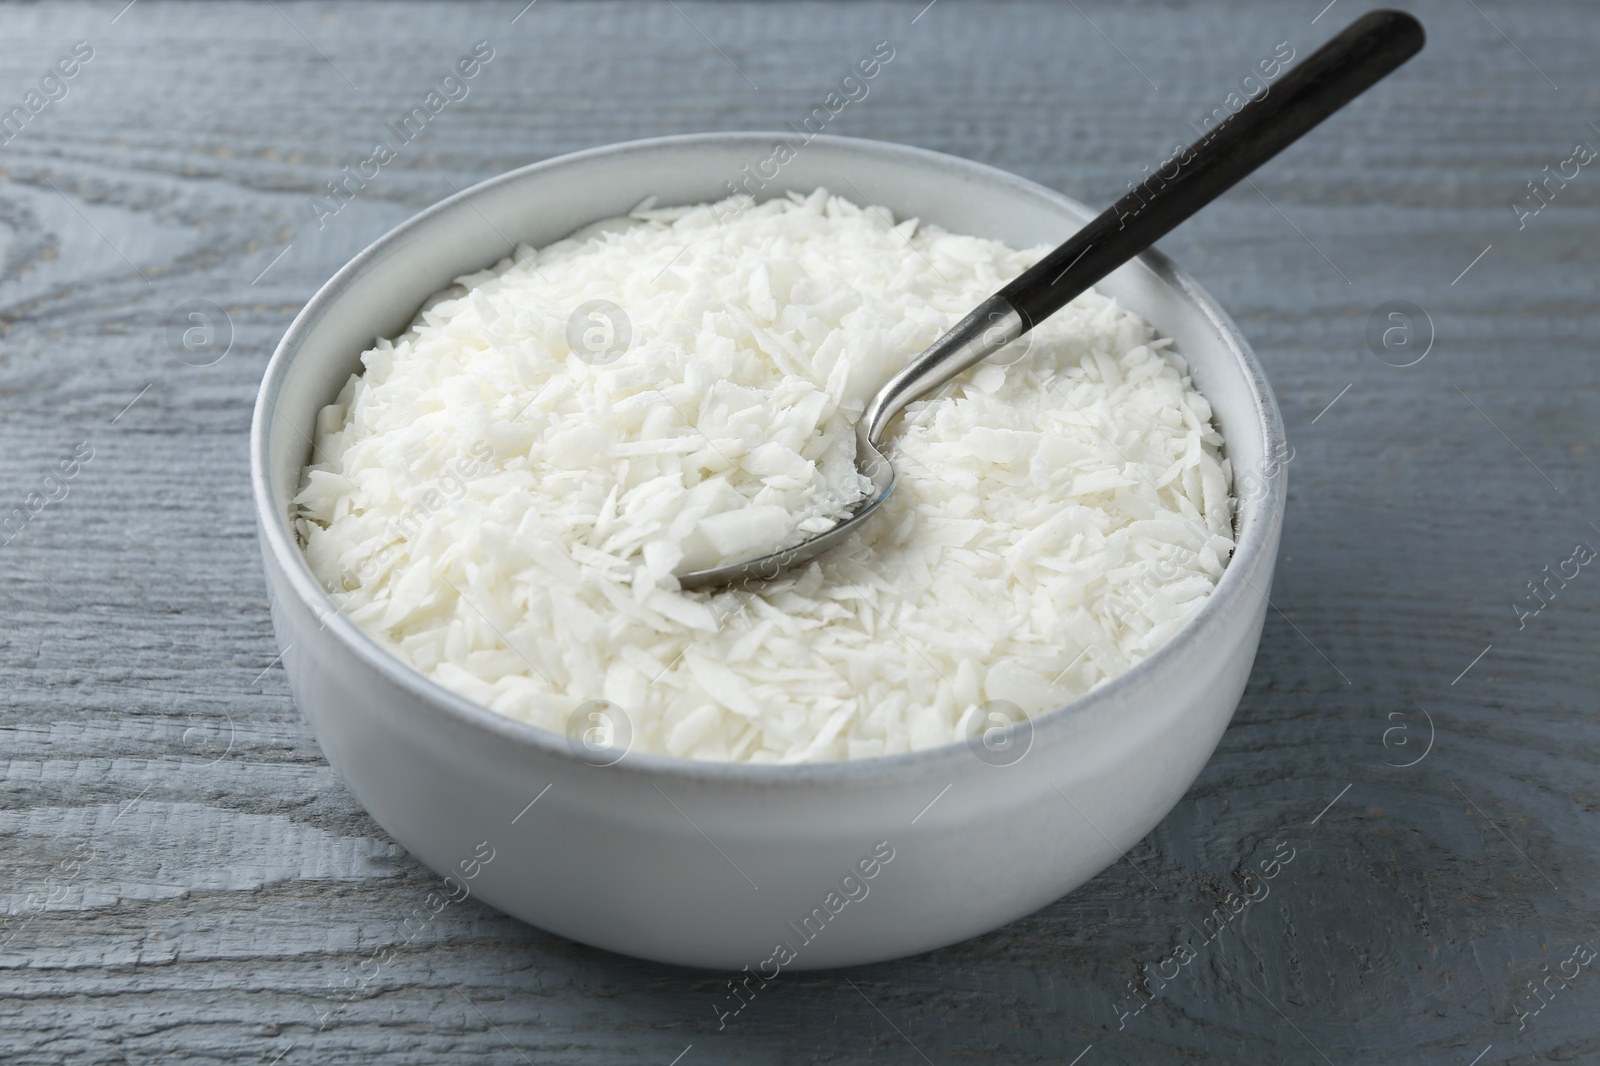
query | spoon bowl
(871,464)
(986,330)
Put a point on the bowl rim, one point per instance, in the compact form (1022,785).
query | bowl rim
(1256,536)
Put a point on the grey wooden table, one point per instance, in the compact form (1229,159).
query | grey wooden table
(186,880)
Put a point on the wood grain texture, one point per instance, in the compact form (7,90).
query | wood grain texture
(186,880)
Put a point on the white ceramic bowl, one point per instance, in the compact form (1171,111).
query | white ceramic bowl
(715,865)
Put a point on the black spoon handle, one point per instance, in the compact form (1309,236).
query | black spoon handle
(1368,49)
(1344,68)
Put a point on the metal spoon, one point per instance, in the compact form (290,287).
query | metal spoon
(1368,50)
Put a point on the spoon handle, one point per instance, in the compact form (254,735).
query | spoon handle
(1369,48)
